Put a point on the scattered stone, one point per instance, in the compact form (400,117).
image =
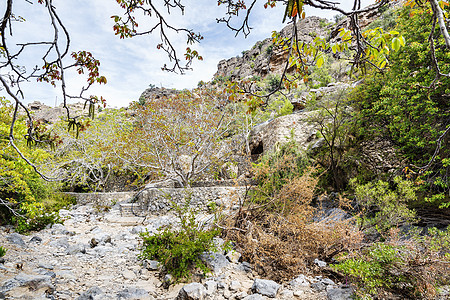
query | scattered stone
(214,261)
(340,293)
(320,263)
(246,267)
(328,281)
(46,266)
(128,275)
(240,296)
(35,239)
(61,243)
(16,239)
(235,285)
(299,281)
(254,297)
(152,265)
(287,294)
(265,287)
(75,249)
(192,291)
(91,294)
(133,293)
(227,294)
(221,285)
(167,280)
(211,287)
(137,229)
(32,282)
(318,286)
(100,239)
(233,256)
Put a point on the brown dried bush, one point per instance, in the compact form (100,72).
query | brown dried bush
(279,236)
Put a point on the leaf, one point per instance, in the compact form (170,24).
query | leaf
(334,48)
(402,41)
(396,44)
(320,61)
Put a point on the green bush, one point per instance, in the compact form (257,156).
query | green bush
(272,82)
(372,270)
(411,268)
(24,194)
(384,206)
(179,250)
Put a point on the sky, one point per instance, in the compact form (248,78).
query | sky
(131,65)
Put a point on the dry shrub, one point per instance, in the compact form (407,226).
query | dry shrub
(279,236)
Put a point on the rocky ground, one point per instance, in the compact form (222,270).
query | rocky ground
(94,255)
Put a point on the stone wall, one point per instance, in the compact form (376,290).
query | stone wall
(157,201)
(102,199)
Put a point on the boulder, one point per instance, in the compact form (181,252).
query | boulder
(265,287)
(91,294)
(192,291)
(341,293)
(31,282)
(16,239)
(214,261)
(264,137)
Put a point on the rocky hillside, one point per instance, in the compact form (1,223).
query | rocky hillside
(264,58)
(94,255)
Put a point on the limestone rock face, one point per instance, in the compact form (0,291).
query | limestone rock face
(264,58)
(265,136)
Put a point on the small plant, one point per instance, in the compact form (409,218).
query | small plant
(385,206)
(178,250)
(323,23)
(269,49)
(273,82)
(2,251)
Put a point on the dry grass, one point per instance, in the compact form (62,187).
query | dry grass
(279,236)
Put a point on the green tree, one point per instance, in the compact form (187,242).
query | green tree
(409,103)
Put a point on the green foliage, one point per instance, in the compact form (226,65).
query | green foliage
(23,190)
(384,206)
(272,82)
(410,268)
(178,250)
(276,169)
(398,105)
(269,49)
(2,251)
(321,76)
(388,19)
(373,269)
(332,117)
(323,23)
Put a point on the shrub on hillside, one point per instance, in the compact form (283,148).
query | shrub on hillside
(275,230)
(383,206)
(179,250)
(412,268)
